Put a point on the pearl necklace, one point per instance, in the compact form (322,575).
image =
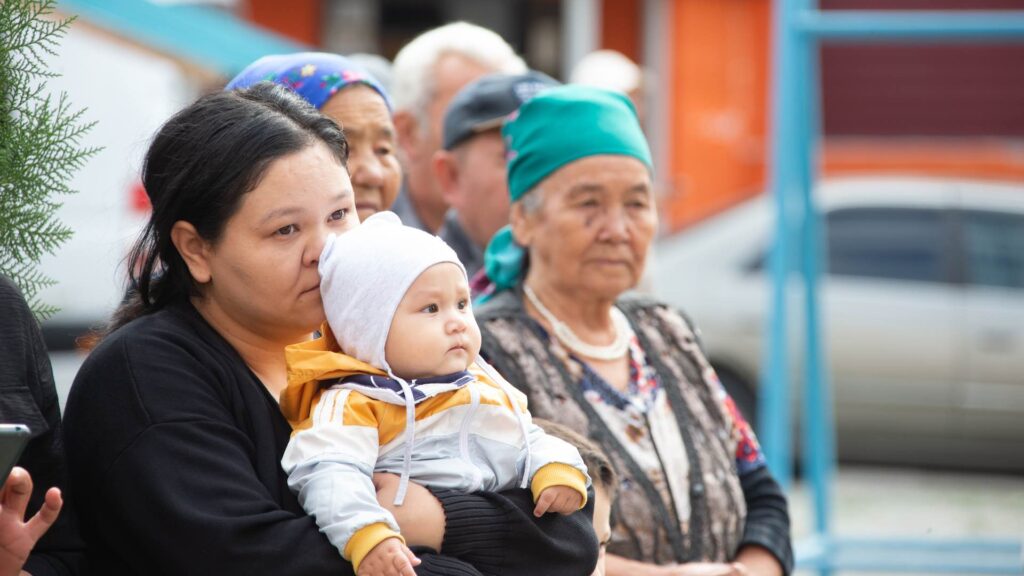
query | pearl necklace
(613,351)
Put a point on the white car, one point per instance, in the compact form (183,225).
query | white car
(922,309)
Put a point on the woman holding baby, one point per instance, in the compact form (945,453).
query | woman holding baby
(174,431)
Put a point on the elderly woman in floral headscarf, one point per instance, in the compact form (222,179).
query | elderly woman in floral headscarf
(345,92)
(627,371)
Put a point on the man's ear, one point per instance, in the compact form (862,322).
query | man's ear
(446,172)
(193,249)
(407,132)
(522,224)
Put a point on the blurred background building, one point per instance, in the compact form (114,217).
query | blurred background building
(939,109)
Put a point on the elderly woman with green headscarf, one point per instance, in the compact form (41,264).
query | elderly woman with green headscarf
(622,369)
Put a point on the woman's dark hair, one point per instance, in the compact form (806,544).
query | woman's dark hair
(198,168)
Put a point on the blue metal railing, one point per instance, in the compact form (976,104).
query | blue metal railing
(798,28)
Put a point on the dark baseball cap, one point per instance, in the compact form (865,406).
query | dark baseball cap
(484,103)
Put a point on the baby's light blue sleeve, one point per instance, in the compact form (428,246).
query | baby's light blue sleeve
(330,467)
(546,449)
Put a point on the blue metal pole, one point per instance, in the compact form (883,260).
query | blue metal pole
(798,29)
(818,424)
(911,25)
(775,422)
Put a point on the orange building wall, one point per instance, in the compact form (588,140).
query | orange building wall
(717,86)
(297,19)
(621,23)
(718,82)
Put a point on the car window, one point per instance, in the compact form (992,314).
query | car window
(889,243)
(994,248)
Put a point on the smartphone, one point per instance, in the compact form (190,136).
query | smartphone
(13,438)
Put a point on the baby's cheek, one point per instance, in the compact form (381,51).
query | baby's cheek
(476,339)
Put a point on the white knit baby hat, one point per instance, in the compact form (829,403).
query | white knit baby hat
(365,273)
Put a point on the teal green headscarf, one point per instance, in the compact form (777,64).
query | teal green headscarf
(552,129)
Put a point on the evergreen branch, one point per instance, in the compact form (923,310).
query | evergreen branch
(31,283)
(40,145)
(27,27)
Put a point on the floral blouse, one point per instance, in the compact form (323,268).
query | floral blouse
(674,436)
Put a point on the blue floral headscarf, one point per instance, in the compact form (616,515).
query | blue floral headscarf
(316,76)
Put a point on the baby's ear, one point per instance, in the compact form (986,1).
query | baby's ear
(326,253)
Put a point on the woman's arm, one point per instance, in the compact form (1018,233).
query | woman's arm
(766,540)
(759,561)
(620,566)
(495,531)
(616,565)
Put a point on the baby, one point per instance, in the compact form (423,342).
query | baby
(395,385)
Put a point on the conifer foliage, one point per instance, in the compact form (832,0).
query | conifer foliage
(40,145)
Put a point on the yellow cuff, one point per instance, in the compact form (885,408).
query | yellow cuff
(360,544)
(559,474)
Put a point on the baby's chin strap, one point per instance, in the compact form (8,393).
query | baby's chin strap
(410,436)
(520,414)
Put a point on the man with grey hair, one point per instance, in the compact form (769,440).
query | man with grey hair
(470,169)
(426,75)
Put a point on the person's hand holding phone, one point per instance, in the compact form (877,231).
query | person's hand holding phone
(18,537)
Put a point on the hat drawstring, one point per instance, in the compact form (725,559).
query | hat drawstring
(410,437)
(520,415)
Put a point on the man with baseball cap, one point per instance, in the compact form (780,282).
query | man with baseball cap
(470,167)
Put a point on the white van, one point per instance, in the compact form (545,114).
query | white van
(129,92)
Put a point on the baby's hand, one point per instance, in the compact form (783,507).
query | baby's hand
(561,499)
(389,558)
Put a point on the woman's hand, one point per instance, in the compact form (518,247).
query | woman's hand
(420,518)
(17,537)
(620,566)
(708,569)
(560,499)
(389,558)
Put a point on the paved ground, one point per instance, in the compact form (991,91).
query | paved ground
(871,502)
(867,501)
(919,503)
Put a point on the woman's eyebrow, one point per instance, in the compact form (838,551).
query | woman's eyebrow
(292,210)
(281,212)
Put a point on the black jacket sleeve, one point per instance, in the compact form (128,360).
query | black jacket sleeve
(28,396)
(767,516)
(497,533)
